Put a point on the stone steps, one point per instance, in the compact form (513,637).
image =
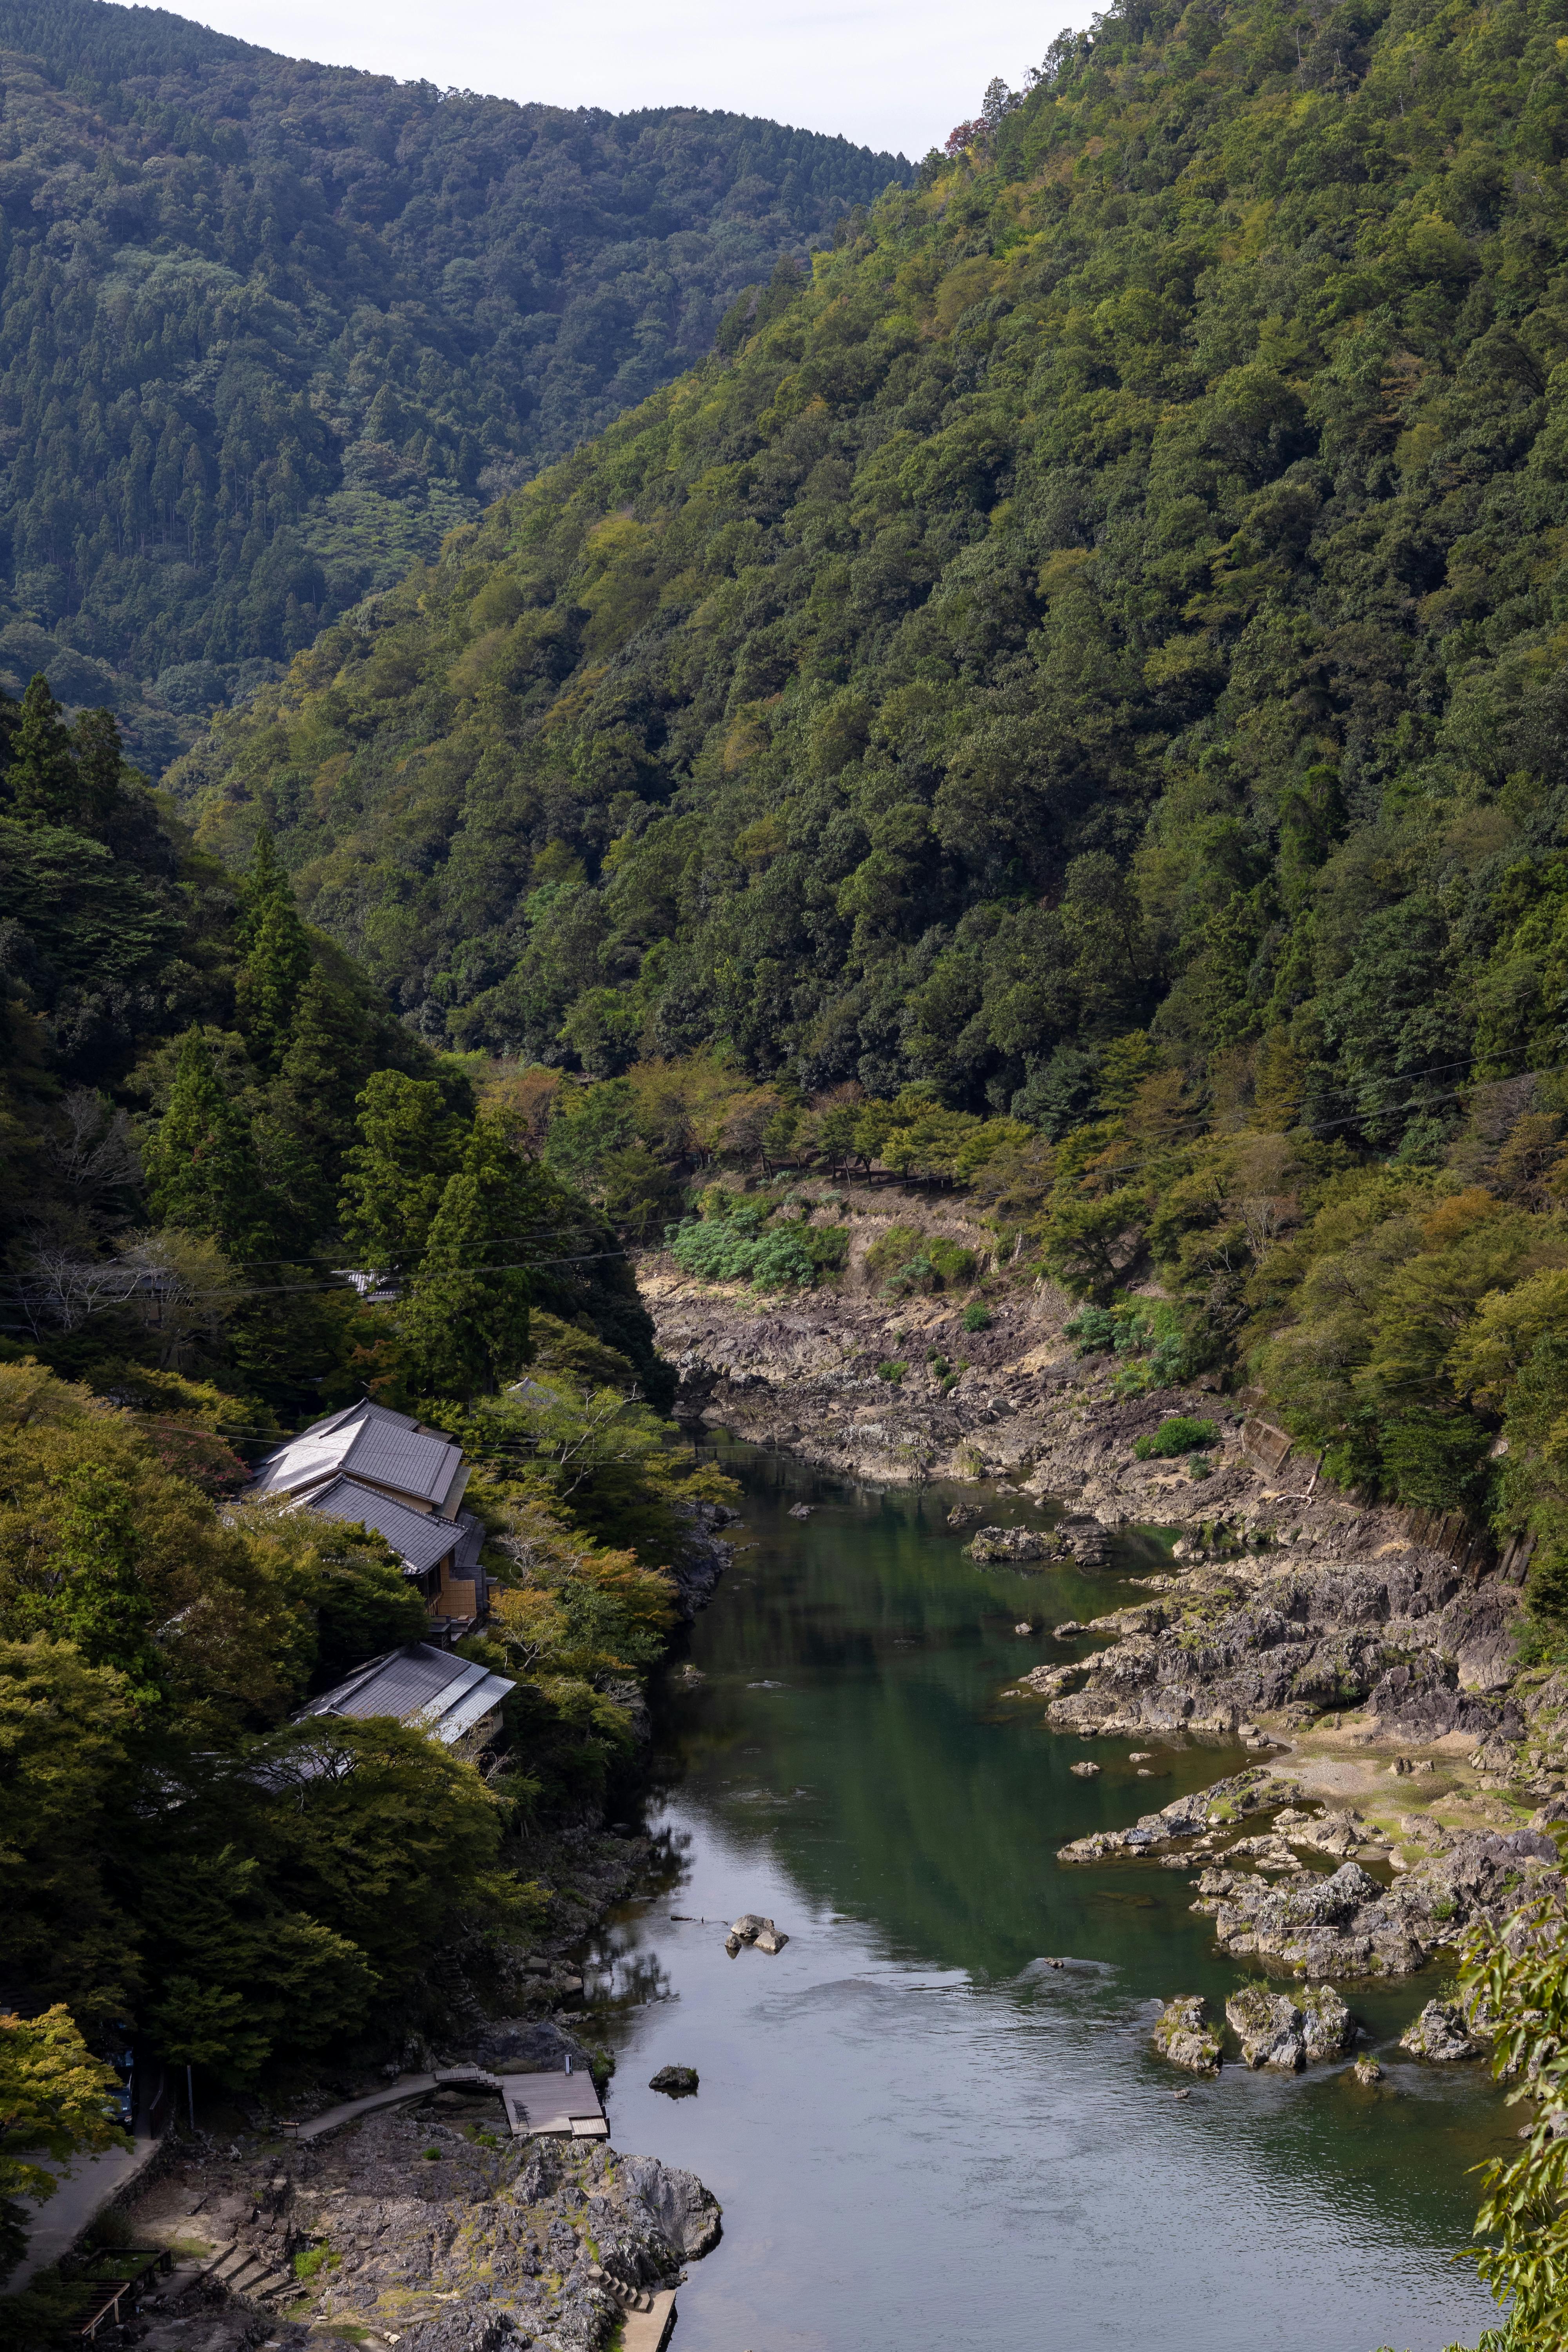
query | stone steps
(250,2276)
(630,2298)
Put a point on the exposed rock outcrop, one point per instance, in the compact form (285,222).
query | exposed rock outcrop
(1269,2028)
(1182,2035)
(1328,2030)
(1018,1544)
(702,1555)
(1441,2033)
(1348,1924)
(1397,1639)
(1343,1923)
(1275,2031)
(442,2233)
(675,2082)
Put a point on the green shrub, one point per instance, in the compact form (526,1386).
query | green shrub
(891,1369)
(892,1248)
(827,1246)
(955,1266)
(977,1318)
(1181,1434)
(735,1250)
(1152,1341)
(912,1261)
(1199,1467)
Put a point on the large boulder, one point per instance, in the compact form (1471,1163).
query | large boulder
(1010,1543)
(1269,2027)
(1327,2028)
(1182,2036)
(687,2214)
(1440,2032)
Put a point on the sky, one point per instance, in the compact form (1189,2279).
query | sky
(885,76)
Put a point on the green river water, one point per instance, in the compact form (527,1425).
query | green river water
(923,2138)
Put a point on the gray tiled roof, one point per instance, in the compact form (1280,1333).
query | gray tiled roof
(370,1442)
(418,1537)
(417,1684)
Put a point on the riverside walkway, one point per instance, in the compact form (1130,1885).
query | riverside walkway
(563,2103)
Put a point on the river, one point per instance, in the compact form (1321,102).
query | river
(921,2135)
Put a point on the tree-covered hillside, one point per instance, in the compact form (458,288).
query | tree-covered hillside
(204,1111)
(1122,591)
(268,328)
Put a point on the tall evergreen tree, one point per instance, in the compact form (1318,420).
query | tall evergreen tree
(395,1176)
(308,1123)
(276,958)
(99,762)
(42,778)
(466,1319)
(201,1168)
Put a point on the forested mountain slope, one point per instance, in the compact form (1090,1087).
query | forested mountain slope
(203,1110)
(1123,592)
(269,329)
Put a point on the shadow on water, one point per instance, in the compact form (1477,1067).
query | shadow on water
(921,2133)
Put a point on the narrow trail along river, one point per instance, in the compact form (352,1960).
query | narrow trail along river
(921,2135)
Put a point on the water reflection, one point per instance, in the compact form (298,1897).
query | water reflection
(921,2132)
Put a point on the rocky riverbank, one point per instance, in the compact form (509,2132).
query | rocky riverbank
(424,2225)
(1365,1661)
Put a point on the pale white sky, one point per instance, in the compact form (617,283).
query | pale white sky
(885,76)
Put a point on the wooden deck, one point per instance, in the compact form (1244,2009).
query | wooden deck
(564,2103)
(649,2331)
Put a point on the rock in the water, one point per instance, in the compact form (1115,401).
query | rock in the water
(801,1510)
(731,1943)
(1271,2028)
(1023,1629)
(1440,2032)
(686,2214)
(963,1515)
(1086,1770)
(1068,1630)
(1327,2028)
(1181,2036)
(749,1927)
(1008,1544)
(1367,2070)
(1349,1926)
(770,1940)
(676,2082)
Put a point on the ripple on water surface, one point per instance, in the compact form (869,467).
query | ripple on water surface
(921,2136)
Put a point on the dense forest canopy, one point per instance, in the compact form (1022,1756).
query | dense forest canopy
(1121,593)
(269,329)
